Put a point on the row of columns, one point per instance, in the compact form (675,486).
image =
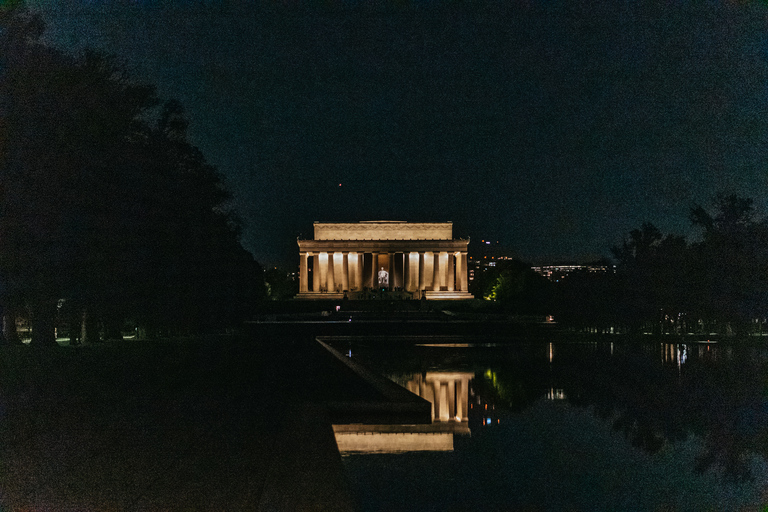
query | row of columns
(447,392)
(339,271)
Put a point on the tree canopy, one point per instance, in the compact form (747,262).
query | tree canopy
(665,284)
(107,211)
(662,283)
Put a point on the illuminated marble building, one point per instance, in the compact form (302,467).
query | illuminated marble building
(390,258)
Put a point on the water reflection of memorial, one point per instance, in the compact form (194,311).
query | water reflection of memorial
(449,395)
(655,393)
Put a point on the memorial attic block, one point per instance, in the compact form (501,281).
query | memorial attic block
(376,259)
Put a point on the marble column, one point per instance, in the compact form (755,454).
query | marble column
(345,271)
(429,270)
(407,272)
(331,282)
(316,272)
(462,272)
(374,270)
(351,270)
(449,271)
(303,283)
(421,271)
(323,272)
(436,273)
(391,270)
(459,277)
(416,269)
(359,276)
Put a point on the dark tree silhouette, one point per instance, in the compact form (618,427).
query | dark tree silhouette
(729,263)
(519,289)
(100,206)
(715,285)
(590,300)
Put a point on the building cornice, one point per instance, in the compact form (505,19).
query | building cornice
(382,246)
(383,230)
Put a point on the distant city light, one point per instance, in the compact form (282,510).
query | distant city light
(557,272)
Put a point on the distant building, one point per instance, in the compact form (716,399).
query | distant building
(485,256)
(557,272)
(399,259)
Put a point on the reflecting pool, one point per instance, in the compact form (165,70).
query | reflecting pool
(573,426)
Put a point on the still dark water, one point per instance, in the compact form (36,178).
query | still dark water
(579,426)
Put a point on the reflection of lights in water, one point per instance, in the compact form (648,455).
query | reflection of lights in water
(555,394)
(448,393)
(551,352)
(674,353)
(445,345)
(488,421)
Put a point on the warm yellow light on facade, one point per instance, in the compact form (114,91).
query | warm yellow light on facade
(422,260)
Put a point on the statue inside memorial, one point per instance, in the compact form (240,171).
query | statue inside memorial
(383,278)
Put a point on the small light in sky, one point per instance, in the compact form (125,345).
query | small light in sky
(339,184)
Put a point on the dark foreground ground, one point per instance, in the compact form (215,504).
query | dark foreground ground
(214,424)
(230,423)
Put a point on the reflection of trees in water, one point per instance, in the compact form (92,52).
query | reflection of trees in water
(649,392)
(643,400)
(735,410)
(651,404)
(514,387)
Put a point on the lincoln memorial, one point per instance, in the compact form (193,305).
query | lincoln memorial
(394,259)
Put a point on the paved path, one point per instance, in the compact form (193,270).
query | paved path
(217,425)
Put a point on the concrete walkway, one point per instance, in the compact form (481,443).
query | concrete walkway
(224,424)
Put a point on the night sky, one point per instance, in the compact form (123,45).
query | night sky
(552,127)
